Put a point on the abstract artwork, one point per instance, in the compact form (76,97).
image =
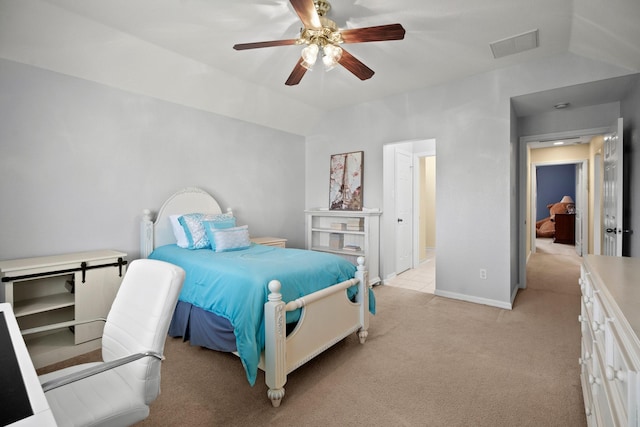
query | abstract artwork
(345,181)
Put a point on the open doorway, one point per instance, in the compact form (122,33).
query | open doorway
(408,219)
(579,148)
(559,208)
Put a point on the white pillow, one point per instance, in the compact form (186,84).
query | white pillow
(231,239)
(178,231)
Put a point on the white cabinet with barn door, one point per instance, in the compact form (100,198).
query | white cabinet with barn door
(53,289)
(610,349)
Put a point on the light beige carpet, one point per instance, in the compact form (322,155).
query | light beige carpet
(428,361)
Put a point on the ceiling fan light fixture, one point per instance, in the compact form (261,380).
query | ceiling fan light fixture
(331,56)
(309,55)
(321,33)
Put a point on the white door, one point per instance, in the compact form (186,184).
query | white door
(404,210)
(612,189)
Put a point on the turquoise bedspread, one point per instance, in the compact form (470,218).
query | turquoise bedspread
(234,285)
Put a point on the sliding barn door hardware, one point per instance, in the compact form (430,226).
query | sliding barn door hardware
(83,267)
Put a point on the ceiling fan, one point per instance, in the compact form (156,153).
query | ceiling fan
(321,34)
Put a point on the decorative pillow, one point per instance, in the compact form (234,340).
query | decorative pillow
(178,231)
(194,230)
(211,226)
(231,239)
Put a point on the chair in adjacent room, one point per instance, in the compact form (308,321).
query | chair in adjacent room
(119,390)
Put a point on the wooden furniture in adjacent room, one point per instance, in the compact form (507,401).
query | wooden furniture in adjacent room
(350,234)
(565,229)
(270,241)
(53,289)
(610,325)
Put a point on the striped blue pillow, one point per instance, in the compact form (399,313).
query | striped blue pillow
(231,239)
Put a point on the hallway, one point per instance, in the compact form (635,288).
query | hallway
(422,278)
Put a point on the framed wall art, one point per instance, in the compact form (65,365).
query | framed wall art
(345,181)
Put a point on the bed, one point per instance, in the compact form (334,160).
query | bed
(275,308)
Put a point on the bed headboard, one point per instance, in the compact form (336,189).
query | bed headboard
(159,232)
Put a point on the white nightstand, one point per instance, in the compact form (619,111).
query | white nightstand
(270,241)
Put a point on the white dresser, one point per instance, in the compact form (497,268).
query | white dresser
(610,324)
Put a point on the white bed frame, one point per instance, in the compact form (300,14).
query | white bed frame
(327,315)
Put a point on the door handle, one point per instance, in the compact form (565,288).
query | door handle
(615,231)
(399,219)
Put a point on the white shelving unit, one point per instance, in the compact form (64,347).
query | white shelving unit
(350,234)
(47,290)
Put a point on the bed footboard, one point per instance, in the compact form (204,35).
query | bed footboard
(327,317)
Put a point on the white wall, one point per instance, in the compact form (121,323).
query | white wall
(471,122)
(80,160)
(630,110)
(591,117)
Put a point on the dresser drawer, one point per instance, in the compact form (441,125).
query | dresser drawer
(604,406)
(587,333)
(599,320)
(588,402)
(620,374)
(610,353)
(586,288)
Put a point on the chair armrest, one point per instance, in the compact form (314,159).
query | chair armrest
(85,373)
(60,325)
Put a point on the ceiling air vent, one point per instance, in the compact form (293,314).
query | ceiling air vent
(515,44)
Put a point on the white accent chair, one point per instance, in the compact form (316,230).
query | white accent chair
(96,394)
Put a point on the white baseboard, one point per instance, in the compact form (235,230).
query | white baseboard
(477,300)
(389,277)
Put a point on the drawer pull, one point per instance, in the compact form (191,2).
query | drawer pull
(594,381)
(597,327)
(612,374)
(585,359)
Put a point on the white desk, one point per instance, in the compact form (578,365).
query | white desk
(20,385)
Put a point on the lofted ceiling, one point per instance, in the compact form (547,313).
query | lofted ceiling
(181,50)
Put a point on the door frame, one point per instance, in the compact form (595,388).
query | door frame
(597,203)
(416,206)
(420,147)
(524,145)
(581,202)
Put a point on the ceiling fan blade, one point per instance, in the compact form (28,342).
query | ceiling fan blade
(297,74)
(354,65)
(244,46)
(373,34)
(306,10)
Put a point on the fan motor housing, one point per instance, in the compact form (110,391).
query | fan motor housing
(322,6)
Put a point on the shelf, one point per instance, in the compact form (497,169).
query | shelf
(337,251)
(43,304)
(333,230)
(52,347)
